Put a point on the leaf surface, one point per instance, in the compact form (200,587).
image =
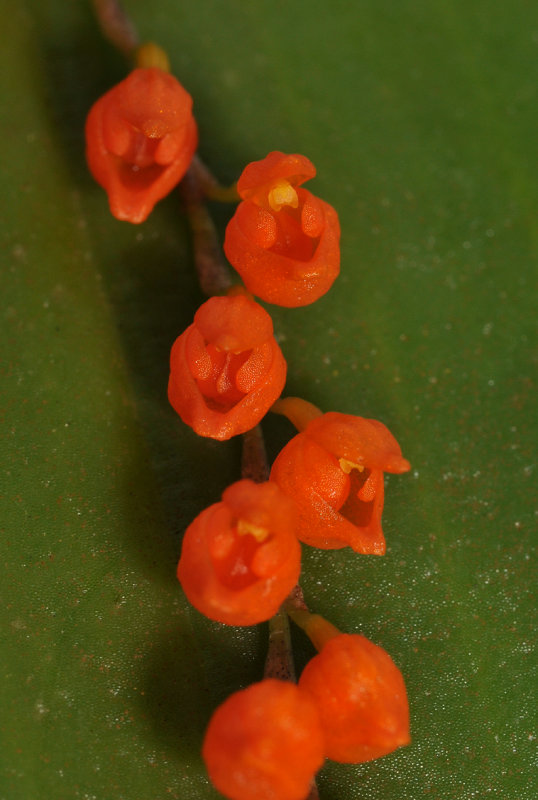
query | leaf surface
(420,122)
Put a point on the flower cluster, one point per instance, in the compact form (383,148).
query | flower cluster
(269,740)
(240,557)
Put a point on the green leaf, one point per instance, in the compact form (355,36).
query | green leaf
(420,120)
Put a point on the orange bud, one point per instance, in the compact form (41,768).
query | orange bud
(361,698)
(240,557)
(140,139)
(334,472)
(282,240)
(264,742)
(226,369)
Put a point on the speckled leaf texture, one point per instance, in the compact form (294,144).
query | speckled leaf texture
(420,118)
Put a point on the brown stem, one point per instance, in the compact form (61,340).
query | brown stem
(116,26)
(213,274)
(210,186)
(314,794)
(279,661)
(296,599)
(254,458)
(214,279)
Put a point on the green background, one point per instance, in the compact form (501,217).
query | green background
(420,118)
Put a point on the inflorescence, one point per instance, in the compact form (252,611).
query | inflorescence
(240,558)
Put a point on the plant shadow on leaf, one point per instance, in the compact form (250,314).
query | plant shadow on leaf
(153,291)
(75,70)
(178,698)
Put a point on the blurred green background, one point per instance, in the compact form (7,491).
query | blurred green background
(420,118)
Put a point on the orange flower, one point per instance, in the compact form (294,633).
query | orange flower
(361,698)
(264,742)
(226,369)
(334,472)
(140,139)
(240,557)
(283,241)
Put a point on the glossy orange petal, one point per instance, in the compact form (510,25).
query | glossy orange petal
(282,240)
(361,698)
(334,472)
(140,139)
(226,369)
(240,557)
(264,742)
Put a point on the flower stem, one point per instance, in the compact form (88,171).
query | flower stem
(210,186)
(214,278)
(279,662)
(254,457)
(150,55)
(317,628)
(117,26)
(213,274)
(299,412)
